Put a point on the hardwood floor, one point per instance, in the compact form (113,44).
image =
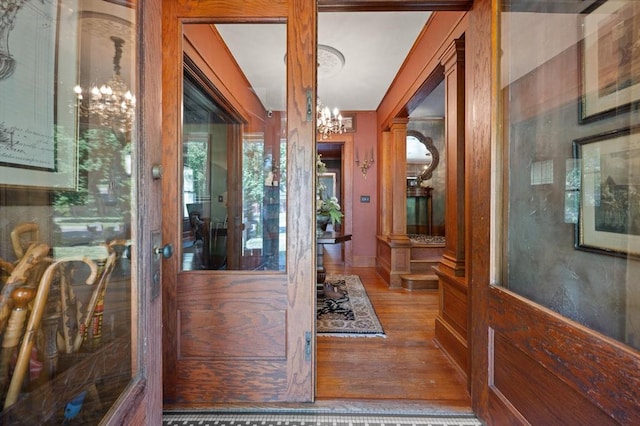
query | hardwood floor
(407,365)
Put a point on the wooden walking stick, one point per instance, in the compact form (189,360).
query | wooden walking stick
(68,304)
(97,298)
(21,296)
(6,266)
(16,237)
(19,276)
(28,340)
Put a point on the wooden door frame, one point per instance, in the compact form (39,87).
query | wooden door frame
(300,274)
(347,142)
(141,403)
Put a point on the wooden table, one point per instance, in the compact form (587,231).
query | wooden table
(321,240)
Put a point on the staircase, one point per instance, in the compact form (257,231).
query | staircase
(423,258)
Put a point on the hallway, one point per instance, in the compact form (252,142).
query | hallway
(403,379)
(404,369)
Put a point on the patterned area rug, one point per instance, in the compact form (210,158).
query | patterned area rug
(351,315)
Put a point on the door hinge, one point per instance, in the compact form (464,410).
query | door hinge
(307,346)
(309,106)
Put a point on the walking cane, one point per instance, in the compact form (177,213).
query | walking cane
(21,296)
(28,340)
(19,276)
(23,228)
(98,295)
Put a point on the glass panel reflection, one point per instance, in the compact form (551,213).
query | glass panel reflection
(569,73)
(234,156)
(68,105)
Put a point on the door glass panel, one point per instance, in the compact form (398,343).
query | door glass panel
(67,120)
(570,75)
(234,152)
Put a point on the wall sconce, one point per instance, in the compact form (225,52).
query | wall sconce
(365,164)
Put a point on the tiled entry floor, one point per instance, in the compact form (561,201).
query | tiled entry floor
(296,419)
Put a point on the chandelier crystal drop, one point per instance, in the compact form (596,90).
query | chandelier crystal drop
(328,122)
(112,104)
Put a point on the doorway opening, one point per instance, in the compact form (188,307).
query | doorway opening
(332,154)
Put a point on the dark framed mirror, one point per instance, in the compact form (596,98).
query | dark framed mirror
(422,152)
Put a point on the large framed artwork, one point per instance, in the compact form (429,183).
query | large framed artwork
(610,75)
(609,188)
(38,127)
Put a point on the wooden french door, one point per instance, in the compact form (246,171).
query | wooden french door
(239,335)
(529,364)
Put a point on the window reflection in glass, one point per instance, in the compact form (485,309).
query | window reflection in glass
(571,157)
(66,189)
(234,161)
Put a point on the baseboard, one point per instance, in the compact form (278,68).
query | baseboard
(453,345)
(364,261)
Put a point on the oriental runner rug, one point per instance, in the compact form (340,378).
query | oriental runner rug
(346,311)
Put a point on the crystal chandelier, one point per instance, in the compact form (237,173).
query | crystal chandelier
(112,104)
(328,122)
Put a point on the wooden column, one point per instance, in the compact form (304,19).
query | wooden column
(453,60)
(399,179)
(452,324)
(385,195)
(398,240)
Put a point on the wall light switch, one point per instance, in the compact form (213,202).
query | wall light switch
(365,198)
(542,172)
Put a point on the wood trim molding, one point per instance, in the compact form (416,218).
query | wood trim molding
(347,142)
(592,373)
(479,42)
(454,72)
(392,5)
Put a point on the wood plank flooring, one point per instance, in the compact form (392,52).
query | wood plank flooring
(407,365)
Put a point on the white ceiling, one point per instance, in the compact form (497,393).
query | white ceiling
(374,46)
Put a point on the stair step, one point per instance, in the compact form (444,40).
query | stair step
(421,267)
(419,281)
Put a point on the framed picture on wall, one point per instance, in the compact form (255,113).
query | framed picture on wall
(328,179)
(610,77)
(38,125)
(349,123)
(609,192)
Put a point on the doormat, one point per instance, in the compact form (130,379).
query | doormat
(349,312)
(302,419)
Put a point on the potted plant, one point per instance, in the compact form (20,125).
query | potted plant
(327,207)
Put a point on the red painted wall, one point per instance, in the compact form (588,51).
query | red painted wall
(365,214)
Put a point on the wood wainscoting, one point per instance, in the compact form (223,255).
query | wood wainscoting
(452,321)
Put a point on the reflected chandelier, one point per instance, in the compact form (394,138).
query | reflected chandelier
(328,122)
(112,104)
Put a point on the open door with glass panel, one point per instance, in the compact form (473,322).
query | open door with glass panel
(238,318)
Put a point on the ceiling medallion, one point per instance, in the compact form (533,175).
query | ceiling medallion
(330,61)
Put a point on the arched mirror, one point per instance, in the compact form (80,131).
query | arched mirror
(422,155)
